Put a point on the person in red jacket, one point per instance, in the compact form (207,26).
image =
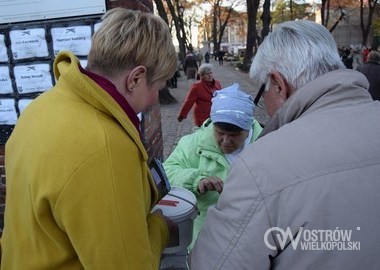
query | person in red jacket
(200,94)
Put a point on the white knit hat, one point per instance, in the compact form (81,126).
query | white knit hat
(233,106)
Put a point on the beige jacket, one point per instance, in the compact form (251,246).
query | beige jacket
(314,174)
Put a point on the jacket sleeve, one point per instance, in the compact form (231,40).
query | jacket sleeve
(104,210)
(182,166)
(189,101)
(218,86)
(233,233)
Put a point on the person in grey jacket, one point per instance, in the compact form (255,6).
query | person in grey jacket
(371,69)
(305,195)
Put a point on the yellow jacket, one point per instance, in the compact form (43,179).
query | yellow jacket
(79,192)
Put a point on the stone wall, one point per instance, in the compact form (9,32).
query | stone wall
(151,123)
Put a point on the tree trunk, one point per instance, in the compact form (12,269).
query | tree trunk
(177,24)
(265,18)
(366,28)
(342,14)
(161,11)
(216,13)
(325,12)
(252,6)
(291,9)
(223,25)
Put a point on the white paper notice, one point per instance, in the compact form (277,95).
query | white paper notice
(3,49)
(28,43)
(33,78)
(97,26)
(8,115)
(76,39)
(23,103)
(83,63)
(5,81)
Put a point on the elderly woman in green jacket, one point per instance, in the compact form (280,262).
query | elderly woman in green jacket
(201,160)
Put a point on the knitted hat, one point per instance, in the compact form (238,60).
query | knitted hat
(231,105)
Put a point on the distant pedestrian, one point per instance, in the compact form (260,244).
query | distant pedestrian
(220,57)
(207,57)
(200,95)
(348,58)
(199,58)
(365,52)
(190,65)
(177,74)
(371,69)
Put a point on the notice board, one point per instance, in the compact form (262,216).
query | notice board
(27,53)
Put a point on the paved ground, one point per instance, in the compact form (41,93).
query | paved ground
(173,130)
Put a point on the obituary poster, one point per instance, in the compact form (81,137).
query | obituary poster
(5,81)
(76,39)
(23,103)
(33,78)
(28,43)
(28,49)
(8,114)
(97,26)
(83,63)
(3,49)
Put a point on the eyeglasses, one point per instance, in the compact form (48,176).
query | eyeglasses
(259,94)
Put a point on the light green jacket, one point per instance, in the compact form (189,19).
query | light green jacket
(197,156)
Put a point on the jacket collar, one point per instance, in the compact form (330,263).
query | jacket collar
(327,90)
(110,88)
(66,70)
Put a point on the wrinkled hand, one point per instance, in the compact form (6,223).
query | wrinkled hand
(173,229)
(180,118)
(209,184)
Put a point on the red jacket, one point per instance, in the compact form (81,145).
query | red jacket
(201,94)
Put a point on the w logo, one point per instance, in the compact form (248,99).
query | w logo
(283,237)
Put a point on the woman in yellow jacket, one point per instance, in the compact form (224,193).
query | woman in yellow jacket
(79,191)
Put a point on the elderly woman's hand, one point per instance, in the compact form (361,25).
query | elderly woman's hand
(210,183)
(180,118)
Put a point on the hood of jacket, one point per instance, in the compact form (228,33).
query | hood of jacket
(66,71)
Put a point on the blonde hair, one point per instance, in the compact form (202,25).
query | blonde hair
(129,38)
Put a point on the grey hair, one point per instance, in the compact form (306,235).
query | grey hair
(374,56)
(300,50)
(204,68)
